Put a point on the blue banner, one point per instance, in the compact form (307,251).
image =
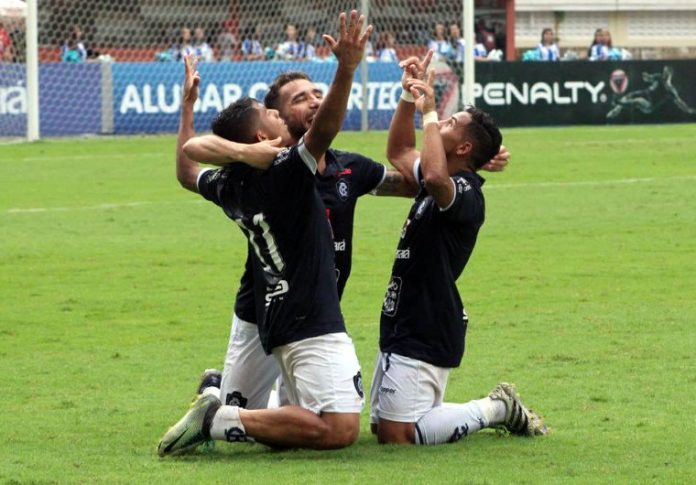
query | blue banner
(69,99)
(147,97)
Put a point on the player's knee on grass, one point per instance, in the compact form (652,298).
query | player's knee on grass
(395,433)
(343,430)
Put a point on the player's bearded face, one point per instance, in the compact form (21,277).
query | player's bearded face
(300,100)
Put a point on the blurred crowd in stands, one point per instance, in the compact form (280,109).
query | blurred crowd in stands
(252,44)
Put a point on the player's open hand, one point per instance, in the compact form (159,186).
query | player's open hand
(499,162)
(424,92)
(414,68)
(264,151)
(350,46)
(191,79)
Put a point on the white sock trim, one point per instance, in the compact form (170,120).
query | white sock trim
(227,425)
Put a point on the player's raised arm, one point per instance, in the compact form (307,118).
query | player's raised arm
(348,49)
(215,150)
(401,143)
(211,149)
(187,169)
(433,157)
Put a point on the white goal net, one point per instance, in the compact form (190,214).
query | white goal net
(114,66)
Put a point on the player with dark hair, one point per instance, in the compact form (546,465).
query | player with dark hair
(423,323)
(342,177)
(283,218)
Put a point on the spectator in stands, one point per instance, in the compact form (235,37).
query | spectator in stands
(252,50)
(201,48)
(457,42)
(227,40)
(598,51)
(184,48)
(442,49)
(6,52)
(291,49)
(484,35)
(74,49)
(548,50)
(385,47)
(309,44)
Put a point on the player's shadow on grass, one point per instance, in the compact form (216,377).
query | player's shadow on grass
(366,450)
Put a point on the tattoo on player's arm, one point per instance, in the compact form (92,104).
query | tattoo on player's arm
(394,184)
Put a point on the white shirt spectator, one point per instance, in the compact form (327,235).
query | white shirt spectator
(442,50)
(203,52)
(599,52)
(251,47)
(290,50)
(387,54)
(479,51)
(548,52)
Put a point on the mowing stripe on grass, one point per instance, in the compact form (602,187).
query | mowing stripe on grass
(580,183)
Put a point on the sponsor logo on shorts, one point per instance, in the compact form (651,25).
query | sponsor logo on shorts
(386,390)
(340,245)
(357,382)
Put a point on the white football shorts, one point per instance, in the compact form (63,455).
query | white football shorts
(322,373)
(404,389)
(249,374)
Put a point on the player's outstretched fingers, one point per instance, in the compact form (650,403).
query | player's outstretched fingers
(408,61)
(351,23)
(426,60)
(366,35)
(342,25)
(431,77)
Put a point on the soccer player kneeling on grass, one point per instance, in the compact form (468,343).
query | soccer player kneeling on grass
(423,322)
(282,216)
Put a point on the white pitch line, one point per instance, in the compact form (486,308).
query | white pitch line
(597,183)
(125,205)
(162,154)
(579,183)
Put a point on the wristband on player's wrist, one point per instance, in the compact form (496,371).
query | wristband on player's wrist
(429,117)
(406,96)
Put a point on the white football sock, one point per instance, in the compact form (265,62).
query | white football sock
(449,423)
(493,409)
(215,391)
(227,426)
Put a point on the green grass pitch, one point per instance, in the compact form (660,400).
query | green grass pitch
(116,287)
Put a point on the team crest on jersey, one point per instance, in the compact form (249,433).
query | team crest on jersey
(391,299)
(343,189)
(463,185)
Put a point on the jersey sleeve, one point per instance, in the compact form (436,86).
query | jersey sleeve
(368,174)
(295,158)
(209,185)
(467,204)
